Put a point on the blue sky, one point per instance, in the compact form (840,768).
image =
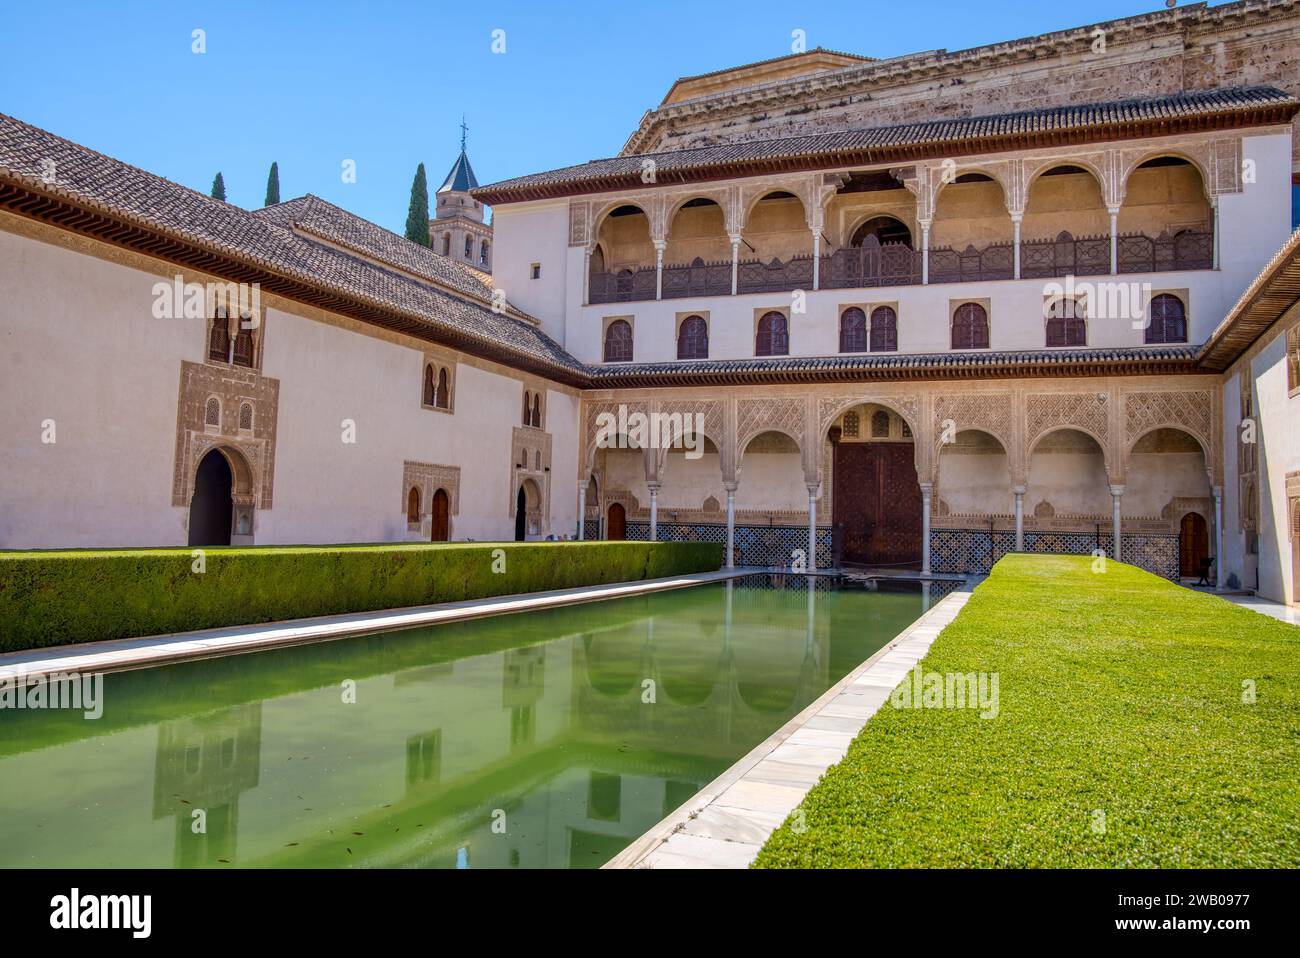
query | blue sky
(385,83)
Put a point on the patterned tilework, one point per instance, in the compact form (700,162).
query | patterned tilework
(755,545)
(971,550)
(592,529)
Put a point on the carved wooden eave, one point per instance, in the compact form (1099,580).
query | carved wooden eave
(86,217)
(1265,301)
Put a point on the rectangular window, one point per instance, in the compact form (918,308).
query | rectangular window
(535,271)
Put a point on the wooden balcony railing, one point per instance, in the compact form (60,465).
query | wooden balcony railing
(894,264)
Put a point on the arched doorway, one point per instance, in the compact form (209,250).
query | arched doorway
(616,526)
(438,512)
(877,496)
(521,514)
(211,506)
(1193,545)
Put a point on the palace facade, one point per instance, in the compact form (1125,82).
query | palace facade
(1034,296)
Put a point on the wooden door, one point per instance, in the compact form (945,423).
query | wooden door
(616,526)
(878,503)
(1194,544)
(439,514)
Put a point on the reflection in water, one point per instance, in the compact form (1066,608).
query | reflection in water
(546,740)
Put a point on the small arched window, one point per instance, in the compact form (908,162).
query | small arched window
(693,338)
(219,340)
(880,424)
(243,352)
(537,410)
(413,505)
(446,244)
(853,330)
(1168,320)
(537,460)
(442,395)
(482,253)
(528,408)
(773,338)
(427,396)
(618,342)
(1065,323)
(970,327)
(469,246)
(246,416)
(884,330)
(212,412)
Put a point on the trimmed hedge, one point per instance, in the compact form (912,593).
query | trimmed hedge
(57,598)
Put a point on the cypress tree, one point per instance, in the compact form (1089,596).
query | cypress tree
(273,186)
(219,187)
(417,215)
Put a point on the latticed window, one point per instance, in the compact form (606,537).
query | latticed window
(246,416)
(884,330)
(970,327)
(851,424)
(1065,323)
(413,505)
(528,408)
(773,337)
(618,342)
(243,354)
(1168,320)
(442,395)
(880,424)
(693,338)
(212,412)
(219,339)
(537,410)
(428,396)
(1293,358)
(853,330)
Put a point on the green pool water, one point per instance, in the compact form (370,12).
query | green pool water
(548,739)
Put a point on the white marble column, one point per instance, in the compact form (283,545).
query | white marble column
(1114,239)
(586,277)
(1116,494)
(654,510)
(812,526)
(582,509)
(817,258)
(1218,537)
(659,268)
(735,262)
(731,523)
(925,253)
(1020,517)
(926,489)
(1015,244)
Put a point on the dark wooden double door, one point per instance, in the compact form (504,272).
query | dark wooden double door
(877,504)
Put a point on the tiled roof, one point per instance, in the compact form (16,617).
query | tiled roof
(461,178)
(1268,297)
(878,144)
(93,181)
(336,225)
(883,364)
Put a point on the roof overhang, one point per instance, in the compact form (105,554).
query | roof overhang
(1274,291)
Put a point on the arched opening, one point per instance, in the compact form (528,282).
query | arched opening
(1166,320)
(537,411)
(413,505)
(697,236)
(1166,478)
(884,330)
(974,475)
(521,515)
(1066,226)
(1067,323)
(1068,478)
(1193,546)
(693,338)
(627,264)
(1166,222)
(616,522)
(428,394)
(618,342)
(970,327)
(875,488)
(883,229)
(440,516)
(442,395)
(772,336)
(211,507)
(219,339)
(972,233)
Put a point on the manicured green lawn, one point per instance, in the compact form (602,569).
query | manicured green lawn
(1120,694)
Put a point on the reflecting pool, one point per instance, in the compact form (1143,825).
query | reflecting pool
(538,740)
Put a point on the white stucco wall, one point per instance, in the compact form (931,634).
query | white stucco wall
(1279,454)
(84,350)
(527,233)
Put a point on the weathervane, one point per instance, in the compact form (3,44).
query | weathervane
(463,130)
